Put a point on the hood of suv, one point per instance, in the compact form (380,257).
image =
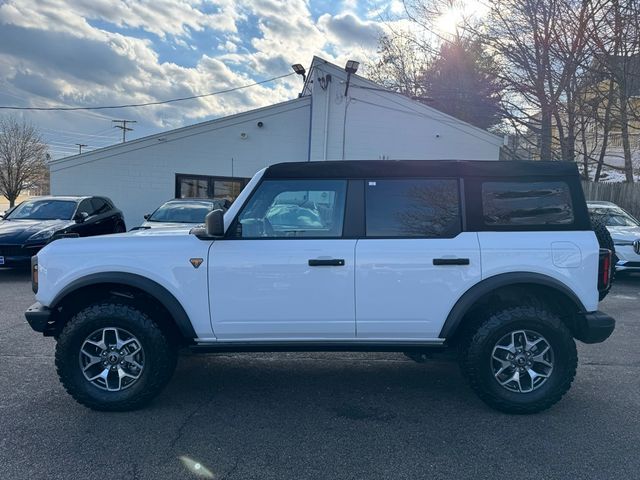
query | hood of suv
(147,225)
(174,230)
(624,233)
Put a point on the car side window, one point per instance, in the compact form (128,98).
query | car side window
(293,209)
(99,206)
(86,207)
(401,208)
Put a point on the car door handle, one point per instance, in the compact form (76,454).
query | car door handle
(329,262)
(451,261)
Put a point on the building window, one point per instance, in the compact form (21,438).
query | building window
(203,186)
(423,208)
(526,203)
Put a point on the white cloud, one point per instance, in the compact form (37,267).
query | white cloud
(69,52)
(160,17)
(347,30)
(228,46)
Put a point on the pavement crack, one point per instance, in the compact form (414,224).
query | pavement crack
(11,355)
(186,421)
(611,364)
(231,471)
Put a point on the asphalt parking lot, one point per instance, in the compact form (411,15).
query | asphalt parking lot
(302,416)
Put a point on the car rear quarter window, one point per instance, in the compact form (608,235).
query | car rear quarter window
(404,208)
(521,204)
(99,206)
(86,206)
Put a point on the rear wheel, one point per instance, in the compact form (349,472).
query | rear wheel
(113,357)
(521,360)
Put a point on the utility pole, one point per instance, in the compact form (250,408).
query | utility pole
(123,127)
(80,145)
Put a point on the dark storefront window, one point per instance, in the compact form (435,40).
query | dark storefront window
(202,186)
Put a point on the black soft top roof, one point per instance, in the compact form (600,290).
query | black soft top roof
(421,168)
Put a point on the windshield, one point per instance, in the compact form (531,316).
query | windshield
(43,210)
(614,217)
(182,212)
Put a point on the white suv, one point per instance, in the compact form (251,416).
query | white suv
(496,259)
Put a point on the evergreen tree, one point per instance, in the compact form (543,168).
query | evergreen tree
(463,82)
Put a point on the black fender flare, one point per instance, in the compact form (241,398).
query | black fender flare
(150,287)
(486,286)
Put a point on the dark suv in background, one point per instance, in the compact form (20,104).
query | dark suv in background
(29,226)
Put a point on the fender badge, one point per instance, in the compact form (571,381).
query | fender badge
(196,262)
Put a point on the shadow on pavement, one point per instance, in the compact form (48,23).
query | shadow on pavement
(14,274)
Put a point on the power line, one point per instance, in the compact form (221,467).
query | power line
(160,102)
(69,133)
(124,127)
(71,139)
(144,145)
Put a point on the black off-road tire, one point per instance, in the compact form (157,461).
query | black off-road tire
(605,241)
(160,357)
(476,363)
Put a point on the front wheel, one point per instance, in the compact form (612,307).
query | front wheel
(113,357)
(521,360)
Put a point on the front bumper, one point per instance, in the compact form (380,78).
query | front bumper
(17,255)
(39,317)
(594,327)
(626,266)
(15,262)
(628,259)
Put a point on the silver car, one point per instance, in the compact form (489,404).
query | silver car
(182,213)
(625,231)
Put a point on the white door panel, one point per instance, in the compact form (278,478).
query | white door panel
(266,289)
(400,293)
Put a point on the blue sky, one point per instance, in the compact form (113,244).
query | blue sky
(105,52)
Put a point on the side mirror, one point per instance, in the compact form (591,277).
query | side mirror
(81,217)
(214,223)
(147,216)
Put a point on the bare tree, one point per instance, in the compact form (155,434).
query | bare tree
(541,44)
(22,157)
(449,72)
(626,18)
(599,86)
(612,83)
(401,65)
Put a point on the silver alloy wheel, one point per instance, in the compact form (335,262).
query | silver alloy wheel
(522,361)
(111,359)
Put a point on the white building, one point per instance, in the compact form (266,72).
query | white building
(215,158)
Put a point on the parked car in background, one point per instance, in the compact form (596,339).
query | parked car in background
(182,212)
(25,229)
(625,231)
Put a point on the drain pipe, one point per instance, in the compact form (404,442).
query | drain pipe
(327,91)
